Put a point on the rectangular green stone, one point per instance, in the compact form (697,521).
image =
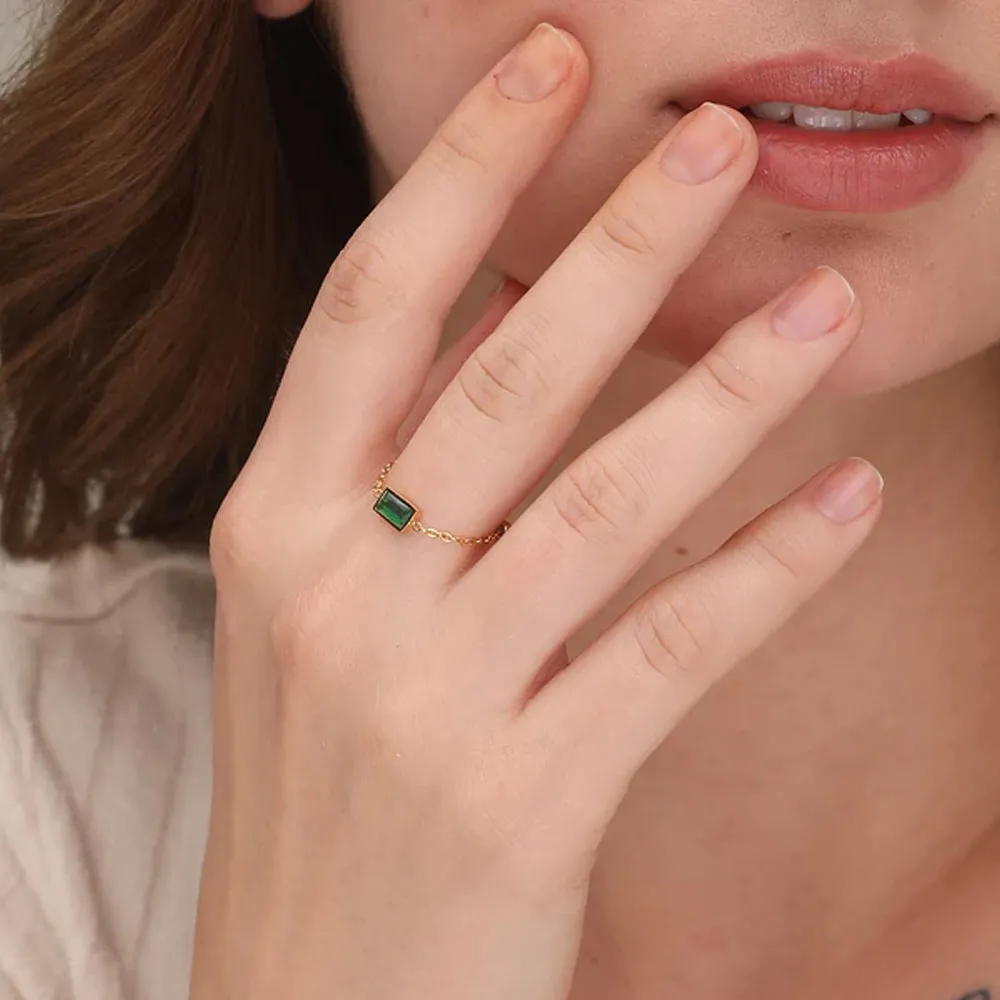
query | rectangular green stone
(394,509)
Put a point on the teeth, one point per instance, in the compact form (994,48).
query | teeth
(823,118)
(773,111)
(832,119)
(863,119)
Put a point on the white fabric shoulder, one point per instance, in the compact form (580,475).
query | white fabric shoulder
(105,771)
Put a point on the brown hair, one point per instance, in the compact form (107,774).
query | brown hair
(175,179)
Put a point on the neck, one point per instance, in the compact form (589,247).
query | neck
(848,771)
(852,766)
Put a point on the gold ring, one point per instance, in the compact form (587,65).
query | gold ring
(404,515)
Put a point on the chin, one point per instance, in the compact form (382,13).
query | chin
(893,349)
(927,306)
(904,338)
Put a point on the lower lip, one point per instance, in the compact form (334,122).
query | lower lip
(862,170)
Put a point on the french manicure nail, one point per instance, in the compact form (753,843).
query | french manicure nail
(848,490)
(536,66)
(816,304)
(702,145)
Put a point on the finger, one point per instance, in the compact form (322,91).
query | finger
(444,369)
(372,333)
(608,510)
(513,405)
(625,693)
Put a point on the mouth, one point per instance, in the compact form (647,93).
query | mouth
(842,135)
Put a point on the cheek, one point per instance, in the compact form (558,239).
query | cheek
(388,47)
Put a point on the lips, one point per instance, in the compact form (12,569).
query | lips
(867,171)
(913,81)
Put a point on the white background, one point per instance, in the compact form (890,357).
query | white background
(14,26)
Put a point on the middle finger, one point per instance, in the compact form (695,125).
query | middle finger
(516,399)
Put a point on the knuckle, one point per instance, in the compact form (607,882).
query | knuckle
(361,284)
(601,495)
(462,146)
(673,632)
(776,555)
(502,378)
(729,386)
(233,544)
(619,234)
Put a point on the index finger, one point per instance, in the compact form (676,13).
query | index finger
(371,336)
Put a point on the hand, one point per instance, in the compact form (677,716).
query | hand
(410,780)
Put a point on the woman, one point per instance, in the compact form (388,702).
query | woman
(507,701)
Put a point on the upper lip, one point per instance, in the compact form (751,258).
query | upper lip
(821,80)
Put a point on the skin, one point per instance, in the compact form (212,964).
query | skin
(826,823)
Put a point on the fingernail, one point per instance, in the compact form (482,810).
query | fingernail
(816,304)
(702,145)
(848,490)
(536,66)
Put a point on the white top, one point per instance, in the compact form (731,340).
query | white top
(105,771)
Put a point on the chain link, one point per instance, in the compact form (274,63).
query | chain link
(445,536)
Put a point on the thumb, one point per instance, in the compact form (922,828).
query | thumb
(451,360)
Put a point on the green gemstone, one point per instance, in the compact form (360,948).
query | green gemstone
(394,509)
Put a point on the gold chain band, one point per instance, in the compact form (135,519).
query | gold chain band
(404,515)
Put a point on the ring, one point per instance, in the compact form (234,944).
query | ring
(404,515)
